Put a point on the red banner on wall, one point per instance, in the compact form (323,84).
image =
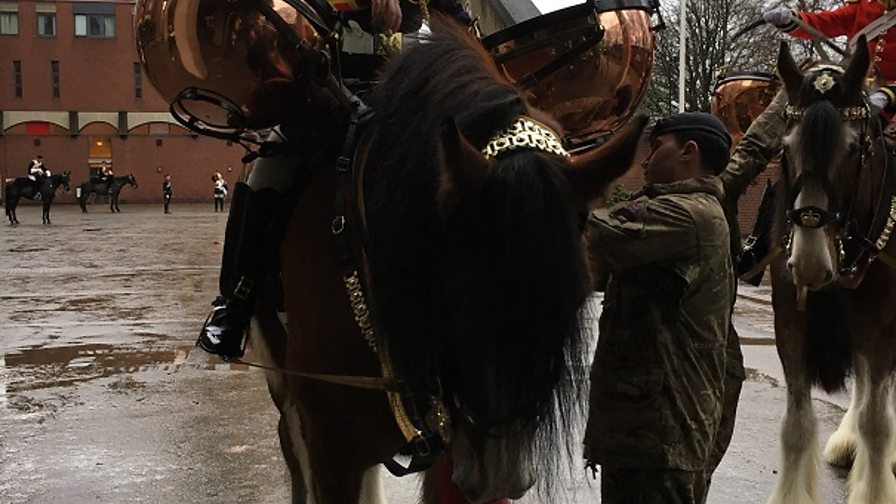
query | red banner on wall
(36,128)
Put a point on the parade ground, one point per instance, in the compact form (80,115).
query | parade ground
(104,398)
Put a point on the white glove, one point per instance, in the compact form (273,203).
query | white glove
(779,17)
(879,101)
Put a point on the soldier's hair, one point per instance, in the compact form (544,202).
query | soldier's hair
(713,152)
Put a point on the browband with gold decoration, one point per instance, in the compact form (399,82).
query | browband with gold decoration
(525,133)
(847,114)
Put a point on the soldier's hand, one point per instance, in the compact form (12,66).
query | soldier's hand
(385,15)
(779,16)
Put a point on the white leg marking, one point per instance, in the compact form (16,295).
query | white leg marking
(797,482)
(871,480)
(290,412)
(372,488)
(840,450)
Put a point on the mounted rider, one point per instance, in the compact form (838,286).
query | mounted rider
(876,19)
(281,79)
(37,173)
(107,176)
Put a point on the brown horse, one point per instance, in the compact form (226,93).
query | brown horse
(834,287)
(475,277)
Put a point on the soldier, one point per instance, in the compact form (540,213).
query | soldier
(37,172)
(167,192)
(107,176)
(253,227)
(657,383)
(873,18)
(219,186)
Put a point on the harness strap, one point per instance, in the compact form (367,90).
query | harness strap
(425,443)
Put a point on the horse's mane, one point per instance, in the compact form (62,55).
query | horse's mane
(524,280)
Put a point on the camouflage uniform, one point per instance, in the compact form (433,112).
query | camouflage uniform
(751,156)
(656,382)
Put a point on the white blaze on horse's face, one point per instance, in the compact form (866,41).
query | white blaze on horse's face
(813,256)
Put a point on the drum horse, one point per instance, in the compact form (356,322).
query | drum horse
(834,283)
(439,307)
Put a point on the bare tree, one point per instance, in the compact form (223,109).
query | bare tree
(711,24)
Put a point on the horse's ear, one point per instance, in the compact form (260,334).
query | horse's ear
(854,78)
(591,173)
(789,72)
(464,169)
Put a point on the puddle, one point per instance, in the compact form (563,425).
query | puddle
(45,367)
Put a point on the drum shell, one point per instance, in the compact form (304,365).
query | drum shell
(599,90)
(228,48)
(739,98)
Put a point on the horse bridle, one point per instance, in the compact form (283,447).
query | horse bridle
(813,217)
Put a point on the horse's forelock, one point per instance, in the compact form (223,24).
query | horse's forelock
(821,139)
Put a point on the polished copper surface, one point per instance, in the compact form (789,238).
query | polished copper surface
(738,100)
(600,89)
(227,47)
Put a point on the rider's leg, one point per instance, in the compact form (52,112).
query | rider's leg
(254,228)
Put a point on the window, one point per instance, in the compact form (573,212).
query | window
(17,70)
(54,71)
(138,81)
(9,18)
(94,19)
(94,25)
(46,24)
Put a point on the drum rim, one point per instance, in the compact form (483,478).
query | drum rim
(563,15)
(746,75)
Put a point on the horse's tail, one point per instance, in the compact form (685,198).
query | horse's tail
(828,344)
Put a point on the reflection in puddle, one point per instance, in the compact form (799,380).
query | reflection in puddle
(45,367)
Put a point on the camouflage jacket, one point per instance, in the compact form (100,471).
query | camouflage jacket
(657,378)
(752,154)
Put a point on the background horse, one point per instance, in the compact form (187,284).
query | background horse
(833,301)
(89,186)
(23,187)
(477,282)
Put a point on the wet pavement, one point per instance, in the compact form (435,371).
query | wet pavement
(103,398)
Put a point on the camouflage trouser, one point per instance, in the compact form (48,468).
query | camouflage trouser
(734,379)
(651,486)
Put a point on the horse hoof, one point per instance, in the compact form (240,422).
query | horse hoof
(840,450)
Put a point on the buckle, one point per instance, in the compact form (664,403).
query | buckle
(244,288)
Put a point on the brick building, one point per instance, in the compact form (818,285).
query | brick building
(72,90)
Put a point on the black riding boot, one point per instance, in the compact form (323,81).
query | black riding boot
(758,245)
(250,245)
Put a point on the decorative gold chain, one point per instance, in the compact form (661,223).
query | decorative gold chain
(888,227)
(525,133)
(360,308)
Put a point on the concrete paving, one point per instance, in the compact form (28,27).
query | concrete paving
(103,398)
